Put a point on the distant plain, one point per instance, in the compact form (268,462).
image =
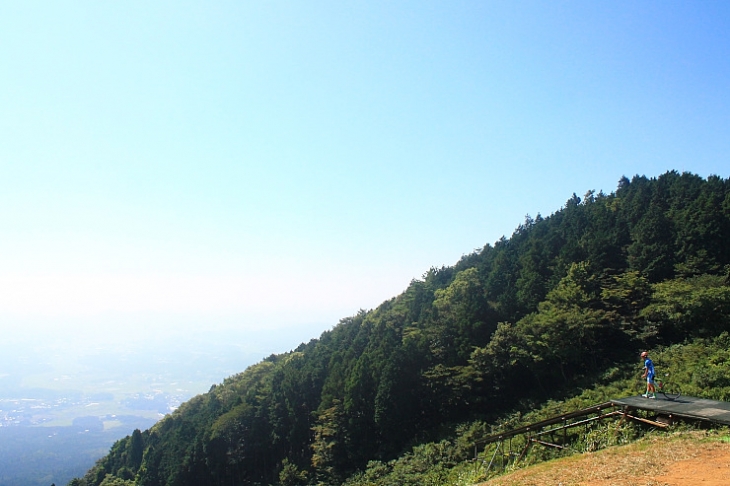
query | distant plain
(64,401)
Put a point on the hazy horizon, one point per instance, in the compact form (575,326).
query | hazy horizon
(283,165)
(187,187)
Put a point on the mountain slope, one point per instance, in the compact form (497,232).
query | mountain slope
(530,318)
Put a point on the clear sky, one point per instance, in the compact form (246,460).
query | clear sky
(280,165)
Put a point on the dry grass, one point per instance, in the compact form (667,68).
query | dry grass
(657,461)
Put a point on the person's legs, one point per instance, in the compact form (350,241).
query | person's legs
(650,389)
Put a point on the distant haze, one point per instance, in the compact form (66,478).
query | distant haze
(188,187)
(276,166)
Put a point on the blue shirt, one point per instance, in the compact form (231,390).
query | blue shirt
(649,365)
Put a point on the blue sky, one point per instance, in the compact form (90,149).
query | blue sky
(280,165)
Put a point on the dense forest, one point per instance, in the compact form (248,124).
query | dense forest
(531,319)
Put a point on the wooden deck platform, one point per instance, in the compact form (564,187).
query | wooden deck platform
(689,408)
(660,412)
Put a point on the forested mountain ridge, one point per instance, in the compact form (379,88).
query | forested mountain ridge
(541,312)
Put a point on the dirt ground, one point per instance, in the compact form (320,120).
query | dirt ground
(656,463)
(711,467)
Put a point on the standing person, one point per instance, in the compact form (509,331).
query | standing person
(649,375)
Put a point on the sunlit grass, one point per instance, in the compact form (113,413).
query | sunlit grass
(628,464)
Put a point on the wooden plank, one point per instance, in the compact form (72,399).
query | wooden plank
(548,444)
(647,421)
(537,426)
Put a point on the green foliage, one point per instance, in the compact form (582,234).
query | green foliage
(696,306)
(700,368)
(425,464)
(110,480)
(291,475)
(463,318)
(560,309)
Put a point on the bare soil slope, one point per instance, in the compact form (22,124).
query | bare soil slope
(688,459)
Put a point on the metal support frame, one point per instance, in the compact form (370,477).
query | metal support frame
(536,433)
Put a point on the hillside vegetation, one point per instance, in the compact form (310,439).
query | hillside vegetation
(551,318)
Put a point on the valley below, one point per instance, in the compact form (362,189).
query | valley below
(65,401)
